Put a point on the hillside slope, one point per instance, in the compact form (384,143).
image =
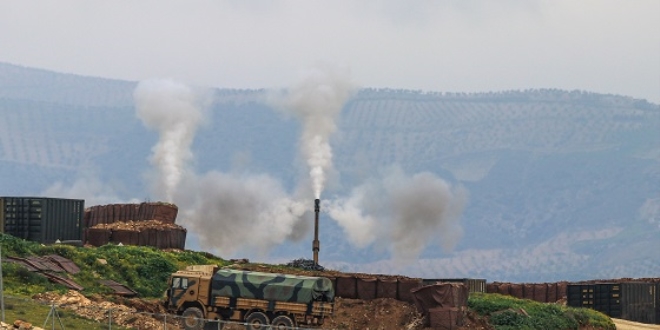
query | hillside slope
(562,184)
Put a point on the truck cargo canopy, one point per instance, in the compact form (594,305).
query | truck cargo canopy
(268,286)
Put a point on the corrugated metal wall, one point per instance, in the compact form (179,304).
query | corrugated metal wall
(42,219)
(638,302)
(634,301)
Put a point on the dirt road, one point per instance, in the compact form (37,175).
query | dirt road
(629,325)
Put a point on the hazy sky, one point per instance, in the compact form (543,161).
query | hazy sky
(602,46)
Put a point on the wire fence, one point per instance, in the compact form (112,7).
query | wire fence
(25,313)
(79,313)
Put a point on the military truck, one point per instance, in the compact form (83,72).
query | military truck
(258,299)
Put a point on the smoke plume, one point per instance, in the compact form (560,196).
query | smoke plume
(402,213)
(247,213)
(230,212)
(317,100)
(175,111)
(233,212)
(359,227)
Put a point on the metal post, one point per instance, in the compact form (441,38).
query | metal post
(316,245)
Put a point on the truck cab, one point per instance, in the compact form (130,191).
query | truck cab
(188,287)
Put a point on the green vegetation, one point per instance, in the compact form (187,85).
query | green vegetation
(143,269)
(146,270)
(508,313)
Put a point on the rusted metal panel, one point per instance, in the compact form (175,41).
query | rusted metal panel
(98,236)
(562,288)
(165,212)
(541,292)
(21,262)
(445,318)
(386,288)
(119,289)
(43,264)
(69,283)
(516,290)
(505,288)
(51,276)
(66,264)
(125,237)
(405,288)
(346,287)
(112,213)
(366,288)
(528,291)
(474,284)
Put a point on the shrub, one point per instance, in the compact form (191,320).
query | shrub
(508,318)
(503,314)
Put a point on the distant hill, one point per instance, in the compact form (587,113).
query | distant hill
(562,184)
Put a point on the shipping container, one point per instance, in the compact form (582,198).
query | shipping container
(41,219)
(634,301)
(474,284)
(580,295)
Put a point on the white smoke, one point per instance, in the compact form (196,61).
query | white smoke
(233,212)
(175,111)
(359,227)
(317,100)
(402,213)
(230,212)
(242,212)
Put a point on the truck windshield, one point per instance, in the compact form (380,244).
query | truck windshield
(180,283)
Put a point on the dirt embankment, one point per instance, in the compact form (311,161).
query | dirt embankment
(350,314)
(630,325)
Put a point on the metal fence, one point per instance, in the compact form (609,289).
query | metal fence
(97,316)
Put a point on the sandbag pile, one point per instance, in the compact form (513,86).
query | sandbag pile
(356,286)
(145,224)
(541,292)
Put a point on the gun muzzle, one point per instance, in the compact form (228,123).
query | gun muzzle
(316,245)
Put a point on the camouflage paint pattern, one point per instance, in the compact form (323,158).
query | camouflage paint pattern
(175,295)
(267,286)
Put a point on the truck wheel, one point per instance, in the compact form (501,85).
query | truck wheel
(282,322)
(256,321)
(193,319)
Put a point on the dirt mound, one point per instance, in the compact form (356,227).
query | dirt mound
(387,314)
(374,314)
(377,314)
(97,309)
